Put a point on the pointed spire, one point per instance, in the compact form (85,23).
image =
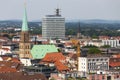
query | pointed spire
(79,27)
(25,23)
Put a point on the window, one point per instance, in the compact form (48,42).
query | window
(101,59)
(103,77)
(97,60)
(93,77)
(93,60)
(89,60)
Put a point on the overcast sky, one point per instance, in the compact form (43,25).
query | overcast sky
(70,9)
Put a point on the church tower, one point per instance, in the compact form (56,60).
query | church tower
(78,33)
(24,45)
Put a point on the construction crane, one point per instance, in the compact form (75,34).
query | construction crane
(77,44)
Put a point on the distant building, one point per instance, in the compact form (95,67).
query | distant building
(93,63)
(53,26)
(103,76)
(93,42)
(111,42)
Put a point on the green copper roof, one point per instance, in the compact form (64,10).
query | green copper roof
(39,51)
(25,23)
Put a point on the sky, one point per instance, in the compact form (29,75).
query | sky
(70,9)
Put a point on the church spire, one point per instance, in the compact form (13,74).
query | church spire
(25,23)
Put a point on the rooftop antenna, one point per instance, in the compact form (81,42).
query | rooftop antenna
(58,11)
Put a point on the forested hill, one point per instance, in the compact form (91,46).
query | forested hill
(91,28)
(94,28)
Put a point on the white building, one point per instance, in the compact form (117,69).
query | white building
(26,61)
(111,42)
(4,51)
(93,63)
(97,43)
(53,26)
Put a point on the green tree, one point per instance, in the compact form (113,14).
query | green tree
(94,51)
(106,46)
(71,78)
(52,79)
(81,79)
(90,46)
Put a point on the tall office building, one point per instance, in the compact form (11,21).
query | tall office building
(53,26)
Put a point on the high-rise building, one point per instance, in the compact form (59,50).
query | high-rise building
(53,26)
(24,45)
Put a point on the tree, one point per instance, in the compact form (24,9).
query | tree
(90,46)
(94,51)
(71,78)
(106,46)
(52,79)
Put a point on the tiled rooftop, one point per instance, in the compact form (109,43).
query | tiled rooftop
(114,62)
(58,59)
(21,76)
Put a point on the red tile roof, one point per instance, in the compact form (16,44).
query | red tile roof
(7,69)
(16,60)
(114,62)
(72,55)
(11,59)
(6,49)
(53,57)
(116,56)
(9,65)
(60,66)
(56,58)
(104,37)
(21,76)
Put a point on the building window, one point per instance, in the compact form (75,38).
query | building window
(89,60)
(103,77)
(97,60)
(93,77)
(101,59)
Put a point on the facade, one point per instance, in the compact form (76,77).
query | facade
(103,77)
(24,45)
(53,26)
(111,42)
(92,64)
(4,51)
(26,62)
(96,42)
